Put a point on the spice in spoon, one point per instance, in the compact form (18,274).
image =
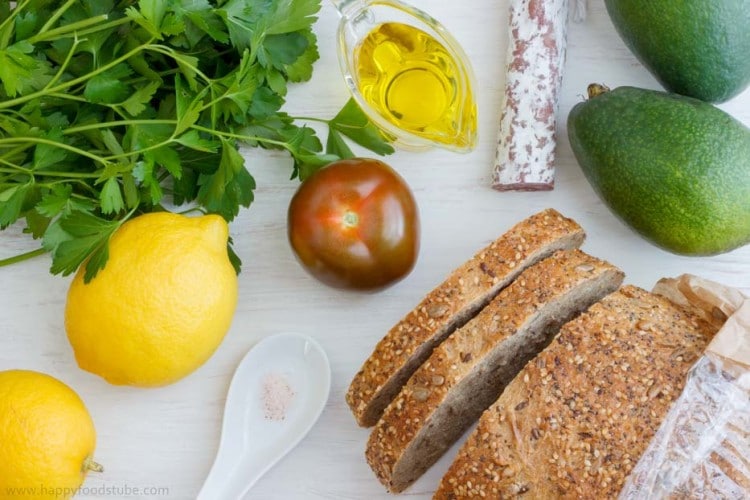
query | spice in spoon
(277,396)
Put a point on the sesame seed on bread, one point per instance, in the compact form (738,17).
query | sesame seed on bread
(450,305)
(577,418)
(468,371)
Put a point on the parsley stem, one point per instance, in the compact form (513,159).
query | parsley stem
(13,168)
(102,27)
(78,182)
(13,14)
(58,13)
(64,65)
(21,170)
(70,97)
(61,145)
(128,154)
(22,257)
(75,28)
(70,83)
(18,117)
(118,123)
(12,151)
(169,52)
(310,119)
(241,137)
(192,210)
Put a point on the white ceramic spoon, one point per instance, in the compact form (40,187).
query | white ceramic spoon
(251,442)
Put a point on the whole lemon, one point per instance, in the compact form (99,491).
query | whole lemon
(161,305)
(47,437)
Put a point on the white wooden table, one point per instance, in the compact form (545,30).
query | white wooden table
(161,443)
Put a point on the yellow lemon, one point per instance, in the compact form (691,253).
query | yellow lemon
(160,307)
(47,438)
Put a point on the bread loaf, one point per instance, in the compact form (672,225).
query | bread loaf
(468,371)
(576,419)
(468,289)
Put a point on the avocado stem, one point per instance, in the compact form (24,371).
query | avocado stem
(596,89)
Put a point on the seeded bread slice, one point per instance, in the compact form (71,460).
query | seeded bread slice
(468,371)
(469,288)
(577,418)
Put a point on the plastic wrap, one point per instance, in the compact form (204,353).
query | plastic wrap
(702,448)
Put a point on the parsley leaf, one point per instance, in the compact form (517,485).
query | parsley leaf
(189,106)
(139,100)
(11,202)
(250,22)
(301,69)
(281,50)
(234,259)
(46,155)
(353,123)
(273,17)
(78,236)
(111,197)
(199,15)
(36,223)
(20,72)
(229,187)
(110,109)
(59,199)
(337,146)
(193,140)
(155,17)
(108,87)
(55,200)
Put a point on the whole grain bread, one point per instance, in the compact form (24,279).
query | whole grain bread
(468,371)
(467,290)
(576,419)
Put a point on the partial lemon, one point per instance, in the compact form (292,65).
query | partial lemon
(47,438)
(160,307)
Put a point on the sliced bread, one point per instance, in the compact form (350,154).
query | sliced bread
(576,419)
(468,371)
(468,289)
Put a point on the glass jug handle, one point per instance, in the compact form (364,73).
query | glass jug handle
(347,7)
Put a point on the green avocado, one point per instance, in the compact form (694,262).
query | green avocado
(674,168)
(698,48)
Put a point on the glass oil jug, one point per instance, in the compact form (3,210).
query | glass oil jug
(408,74)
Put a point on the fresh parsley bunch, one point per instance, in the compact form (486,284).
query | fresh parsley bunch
(112,108)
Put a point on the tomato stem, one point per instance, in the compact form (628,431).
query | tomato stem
(350,219)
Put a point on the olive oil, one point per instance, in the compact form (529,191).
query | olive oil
(415,83)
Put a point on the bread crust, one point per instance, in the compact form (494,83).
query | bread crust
(577,418)
(468,371)
(452,303)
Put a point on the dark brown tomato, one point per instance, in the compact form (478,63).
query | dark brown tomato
(354,224)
